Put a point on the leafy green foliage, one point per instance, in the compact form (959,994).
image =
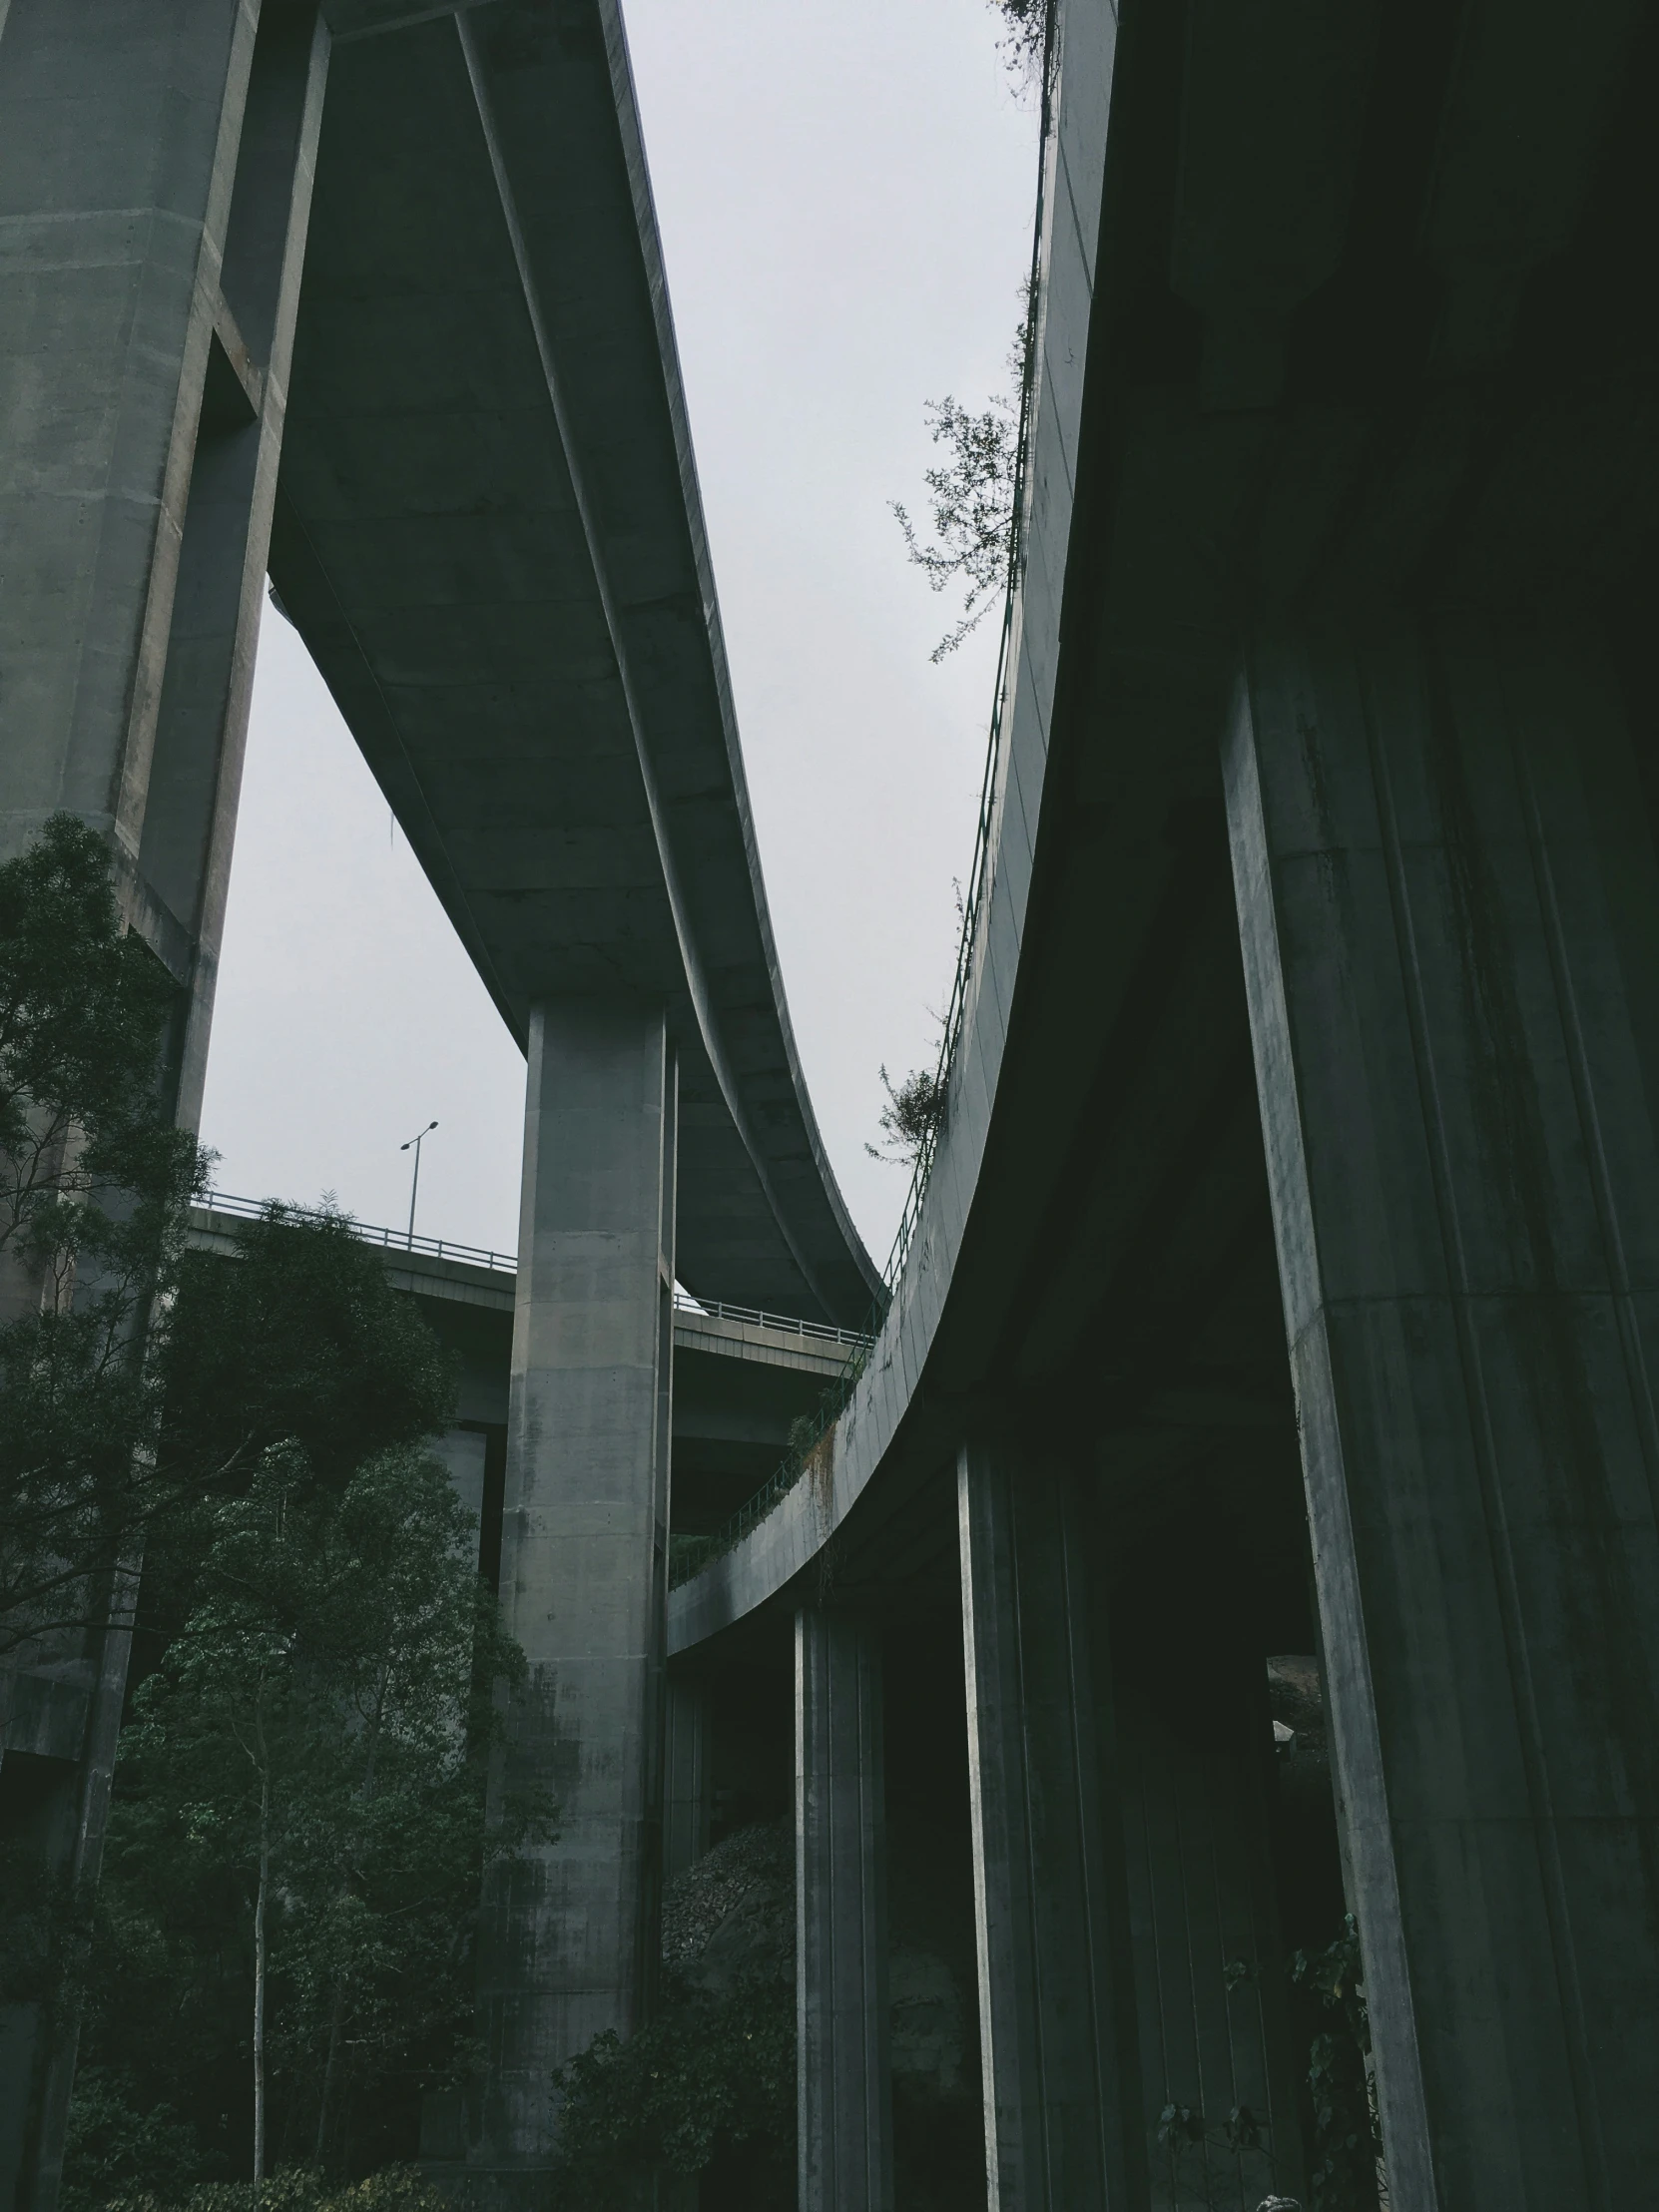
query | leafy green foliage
(708,2072)
(303,1341)
(45,1931)
(95,1184)
(119,2143)
(82,1009)
(1025,32)
(972,500)
(310,1751)
(313,1736)
(1218,2166)
(972,494)
(1179,2125)
(297,2189)
(912,1116)
(1347,2137)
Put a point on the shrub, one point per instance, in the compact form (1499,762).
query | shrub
(707,2074)
(298,2189)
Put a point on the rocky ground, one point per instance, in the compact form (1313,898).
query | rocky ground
(733,1911)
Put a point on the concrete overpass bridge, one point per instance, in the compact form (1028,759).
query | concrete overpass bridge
(742,1377)
(1283,1284)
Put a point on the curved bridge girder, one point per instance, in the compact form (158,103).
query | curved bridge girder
(1293,1230)
(488,533)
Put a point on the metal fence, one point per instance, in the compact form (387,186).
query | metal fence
(785,1324)
(506,1262)
(686,1554)
(394,1240)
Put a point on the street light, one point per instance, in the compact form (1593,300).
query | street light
(415,1144)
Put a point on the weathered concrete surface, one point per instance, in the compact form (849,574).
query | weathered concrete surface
(844,2140)
(490,524)
(569,1936)
(491,537)
(1449,906)
(1063,2122)
(117,164)
(1360,320)
(789,1539)
(1346,345)
(156,170)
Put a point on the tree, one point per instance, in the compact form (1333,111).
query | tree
(912,1116)
(972,496)
(95,1185)
(1348,2139)
(148,1396)
(298,1827)
(1025,34)
(300,1339)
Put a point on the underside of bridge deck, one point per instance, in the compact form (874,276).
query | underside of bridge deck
(1313,1000)
(1275,1338)
(371,295)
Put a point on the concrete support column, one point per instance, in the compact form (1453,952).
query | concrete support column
(1450,910)
(688,1791)
(840,1951)
(1057,2009)
(570,1936)
(156,164)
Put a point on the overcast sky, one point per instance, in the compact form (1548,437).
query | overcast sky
(844,191)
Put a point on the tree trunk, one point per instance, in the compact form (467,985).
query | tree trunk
(259,1980)
(365,1789)
(336,2026)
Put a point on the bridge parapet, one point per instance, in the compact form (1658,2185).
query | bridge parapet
(462,1274)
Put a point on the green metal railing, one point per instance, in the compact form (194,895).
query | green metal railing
(851,1340)
(392,1240)
(689,1555)
(686,1554)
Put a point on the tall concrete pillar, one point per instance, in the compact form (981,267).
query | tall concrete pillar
(844,2140)
(1056,2005)
(155,162)
(570,1927)
(155,165)
(1450,910)
(688,1793)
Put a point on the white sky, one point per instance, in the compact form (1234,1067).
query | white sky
(845,190)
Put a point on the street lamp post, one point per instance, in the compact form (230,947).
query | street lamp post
(415,1144)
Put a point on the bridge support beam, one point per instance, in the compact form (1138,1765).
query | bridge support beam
(156,166)
(570,1935)
(1063,2123)
(145,346)
(1449,911)
(844,2140)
